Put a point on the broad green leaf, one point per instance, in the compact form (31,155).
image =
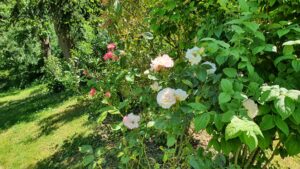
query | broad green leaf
(296,115)
(296,65)
(88,159)
(250,139)
(227,117)
(201,74)
(230,72)
(251,25)
(218,122)
(282,125)
(198,106)
(267,123)
(201,121)
(171,140)
(221,59)
(292,145)
(281,58)
(288,50)
(224,98)
(285,106)
(194,163)
(226,86)
(243,5)
(87,149)
(282,32)
(237,29)
(260,36)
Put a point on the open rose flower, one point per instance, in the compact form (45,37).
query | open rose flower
(108,55)
(212,68)
(194,55)
(166,98)
(251,107)
(92,92)
(111,46)
(164,61)
(180,95)
(131,121)
(155,86)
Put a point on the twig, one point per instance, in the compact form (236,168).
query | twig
(272,156)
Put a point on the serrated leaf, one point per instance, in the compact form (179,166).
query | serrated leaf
(198,106)
(251,25)
(201,121)
(226,86)
(267,123)
(292,145)
(282,125)
(224,98)
(284,106)
(227,116)
(230,72)
(201,74)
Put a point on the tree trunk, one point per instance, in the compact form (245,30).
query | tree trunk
(64,39)
(46,47)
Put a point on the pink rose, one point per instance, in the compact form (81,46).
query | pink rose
(92,92)
(108,55)
(131,121)
(107,94)
(111,46)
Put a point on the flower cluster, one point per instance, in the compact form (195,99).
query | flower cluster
(168,97)
(110,52)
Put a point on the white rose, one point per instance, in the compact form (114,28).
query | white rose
(131,121)
(166,98)
(251,107)
(194,55)
(180,94)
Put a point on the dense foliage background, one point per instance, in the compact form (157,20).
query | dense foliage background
(230,67)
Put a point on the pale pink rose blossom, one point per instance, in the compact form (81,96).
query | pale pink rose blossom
(160,62)
(131,121)
(166,98)
(111,46)
(180,95)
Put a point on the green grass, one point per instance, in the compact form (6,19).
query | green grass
(41,130)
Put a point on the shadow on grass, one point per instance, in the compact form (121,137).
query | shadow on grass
(51,123)
(68,155)
(25,110)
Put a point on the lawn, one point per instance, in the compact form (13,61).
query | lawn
(41,130)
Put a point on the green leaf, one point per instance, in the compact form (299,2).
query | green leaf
(188,83)
(102,117)
(243,5)
(88,159)
(201,74)
(237,29)
(281,58)
(251,140)
(282,125)
(282,32)
(230,72)
(221,59)
(251,25)
(296,115)
(227,117)
(87,149)
(224,98)
(288,50)
(296,65)
(292,145)
(260,36)
(194,163)
(201,121)
(171,140)
(285,106)
(198,106)
(226,86)
(267,123)
(291,42)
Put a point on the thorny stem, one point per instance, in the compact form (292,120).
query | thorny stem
(272,156)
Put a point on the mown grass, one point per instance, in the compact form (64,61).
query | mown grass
(36,128)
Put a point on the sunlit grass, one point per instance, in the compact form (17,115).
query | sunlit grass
(35,125)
